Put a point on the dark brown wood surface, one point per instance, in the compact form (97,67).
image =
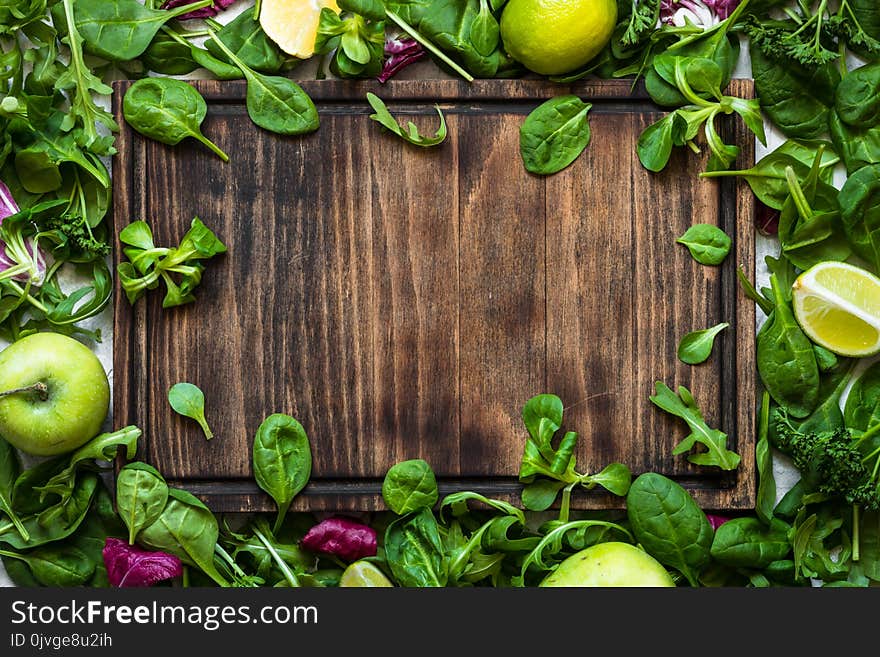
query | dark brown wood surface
(405,302)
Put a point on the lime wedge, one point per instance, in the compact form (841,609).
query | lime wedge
(363,573)
(838,307)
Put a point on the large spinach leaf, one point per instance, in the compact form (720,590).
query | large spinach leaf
(414,551)
(282,460)
(554,134)
(188,529)
(786,360)
(796,99)
(167,110)
(860,210)
(858,147)
(748,543)
(122,30)
(858,97)
(448,25)
(141,496)
(862,410)
(274,103)
(666,520)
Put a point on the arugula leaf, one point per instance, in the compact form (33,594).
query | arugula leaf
(411,134)
(683,405)
(81,82)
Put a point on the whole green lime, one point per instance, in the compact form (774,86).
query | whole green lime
(552,37)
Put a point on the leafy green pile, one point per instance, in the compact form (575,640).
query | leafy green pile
(59,513)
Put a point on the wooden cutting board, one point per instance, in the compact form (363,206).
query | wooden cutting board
(405,303)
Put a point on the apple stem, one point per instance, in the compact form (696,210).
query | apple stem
(40,388)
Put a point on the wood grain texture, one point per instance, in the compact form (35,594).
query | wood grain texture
(405,302)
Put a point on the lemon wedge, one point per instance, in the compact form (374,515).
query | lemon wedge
(838,307)
(293,24)
(363,573)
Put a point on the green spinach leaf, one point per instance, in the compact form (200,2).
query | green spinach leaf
(862,410)
(274,103)
(708,244)
(410,486)
(860,210)
(858,97)
(168,56)
(244,36)
(282,460)
(141,496)
(122,30)
(786,360)
(766,497)
(414,551)
(858,147)
(188,529)
(167,110)
(748,543)
(797,100)
(554,134)
(56,565)
(54,522)
(666,520)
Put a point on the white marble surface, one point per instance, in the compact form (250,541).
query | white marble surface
(784,473)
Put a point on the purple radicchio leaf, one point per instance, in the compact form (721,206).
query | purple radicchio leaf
(9,207)
(716,521)
(673,12)
(347,539)
(722,8)
(130,566)
(766,220)
(401,53)
(204,12)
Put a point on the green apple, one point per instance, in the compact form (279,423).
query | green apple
(610,564)
(54,394)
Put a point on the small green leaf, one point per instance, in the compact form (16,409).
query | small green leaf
(696,347)
(708,244)
(188,400)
